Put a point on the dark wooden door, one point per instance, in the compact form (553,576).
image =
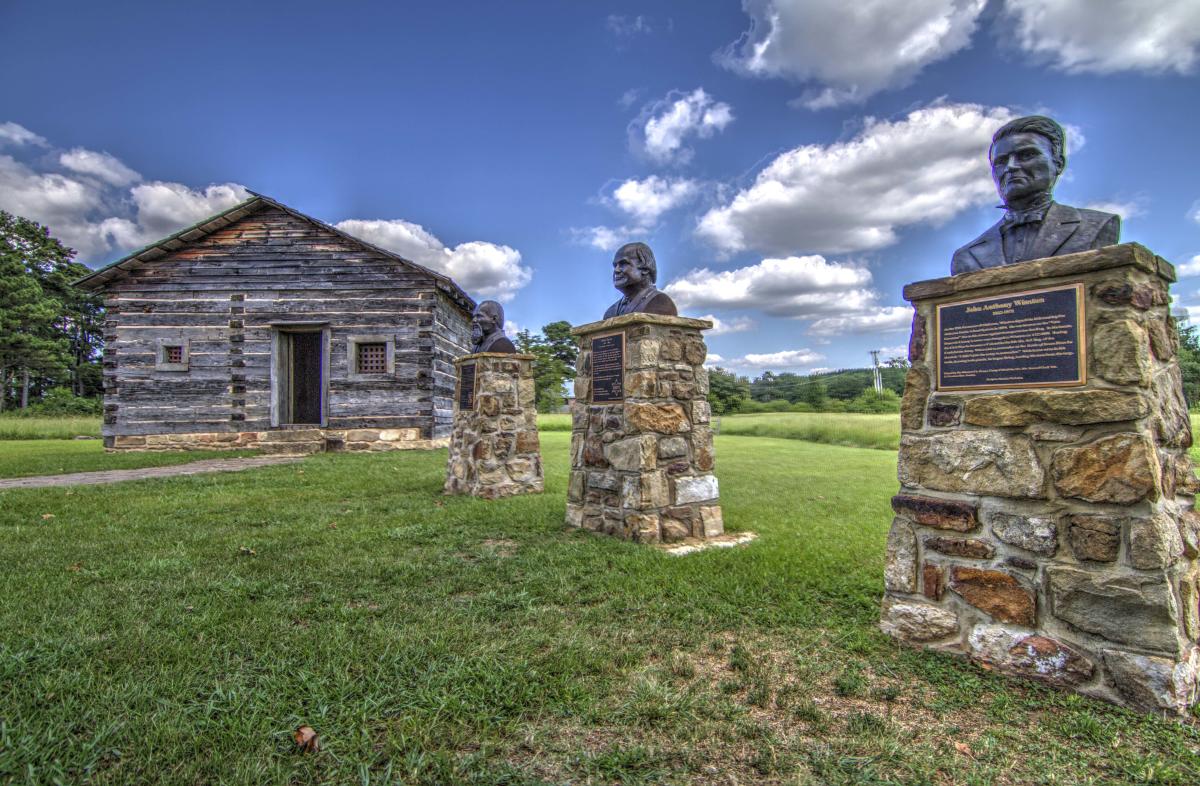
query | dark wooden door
(306,377)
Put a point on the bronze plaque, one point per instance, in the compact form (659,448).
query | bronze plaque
(608,368)
(1018,340)
(466,387)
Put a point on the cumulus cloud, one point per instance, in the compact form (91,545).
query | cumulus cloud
(898,350)
(663,126)
(645,200)
(850,50)
(1125,209)
(796,287)
(487,270)
(784,359)
(604,238)
(1078,36)
(17,134)
(1189,268)
(853,195)
(102,165)
(872,319)
(713,360)
(731,325)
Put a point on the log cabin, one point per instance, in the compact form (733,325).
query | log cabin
(261,327)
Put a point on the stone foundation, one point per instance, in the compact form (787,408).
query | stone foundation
(494,448)
(642,468)
(1049,532)
(295,440)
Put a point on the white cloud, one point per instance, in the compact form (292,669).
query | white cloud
(852,49)
(600,237)
(1189,268)
(645,200)
(853,195)
(1082,36)
(1126,210)
(819,370)
(627,27)
(663,126)
(1194,213)
(713,359)
(899,350)
(163,208)
(733,325)
(788,358)
(17,134)
(796,287)
(872,319)
(105,166)
(629,97)
(486,270)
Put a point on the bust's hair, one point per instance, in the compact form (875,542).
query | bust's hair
(644,259)
(1036,124)
(494,310)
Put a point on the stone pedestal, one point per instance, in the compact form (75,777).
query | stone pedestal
(494,449)
(1049,532)
(641,446)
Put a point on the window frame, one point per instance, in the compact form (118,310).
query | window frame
(352,344)
(160,354)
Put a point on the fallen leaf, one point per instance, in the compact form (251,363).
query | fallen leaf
(963,748)
(333,525)
(248,552)
(306,739)
(78,566)
(47,516)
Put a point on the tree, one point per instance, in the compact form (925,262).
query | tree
(815,393)
(555,351)
(50,332)
(726,391)
(1189,361)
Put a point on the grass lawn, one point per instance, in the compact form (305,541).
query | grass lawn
(178,631)
(25,458)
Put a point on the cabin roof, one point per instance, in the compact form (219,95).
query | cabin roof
(116,270)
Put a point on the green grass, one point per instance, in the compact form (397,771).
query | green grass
(177,631)
(20,459)
(831,428)
(554,422)
(12,427)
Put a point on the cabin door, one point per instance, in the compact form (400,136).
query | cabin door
(299,377)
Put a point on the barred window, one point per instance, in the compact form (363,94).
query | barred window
(172,353)
(372,358)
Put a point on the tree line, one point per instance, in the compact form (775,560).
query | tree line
(51,333)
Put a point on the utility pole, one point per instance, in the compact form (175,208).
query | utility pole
(875,369)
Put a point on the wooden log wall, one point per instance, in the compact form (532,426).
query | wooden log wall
(221,295)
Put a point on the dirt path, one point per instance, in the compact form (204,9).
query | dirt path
(118,475)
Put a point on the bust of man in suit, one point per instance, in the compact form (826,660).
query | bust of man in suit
(487,329)
(634,274)
(1027,156)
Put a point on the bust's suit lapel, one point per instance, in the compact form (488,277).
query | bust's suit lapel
(988,246)
(1062,221)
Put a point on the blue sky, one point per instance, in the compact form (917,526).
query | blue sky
(792,164)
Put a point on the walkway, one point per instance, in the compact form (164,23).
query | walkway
(118,475)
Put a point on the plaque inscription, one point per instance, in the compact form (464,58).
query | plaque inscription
(608,368)
(466,387)
(1018,340)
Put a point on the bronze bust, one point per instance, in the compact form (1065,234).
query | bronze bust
(487,329)
(1027,156)
(634,274)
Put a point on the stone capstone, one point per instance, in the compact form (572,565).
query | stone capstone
(917,621)
(1121,469)
(1024,654)
(900,569)
(937,513)
(1133,609)
(1120,353)
(999,594)
(1153,684)
(1070,408)
(1038,534)
(974,462)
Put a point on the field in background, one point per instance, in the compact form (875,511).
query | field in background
(14,427)
(179,630)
